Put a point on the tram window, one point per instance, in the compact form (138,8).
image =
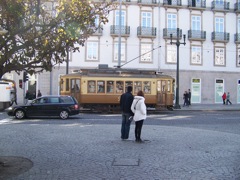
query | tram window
(61,84)
(159,84)
(119,87)
(91,86)
(75,85)
(110,85)
(169,86)
(128,83)
(101,86)
(67,84)
(164,86)
(147,87)
(137,86)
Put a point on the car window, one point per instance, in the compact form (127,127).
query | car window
(66,100)
(53,100)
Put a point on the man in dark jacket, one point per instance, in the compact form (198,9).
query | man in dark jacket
(125,103)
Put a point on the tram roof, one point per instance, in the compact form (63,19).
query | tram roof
(118,72)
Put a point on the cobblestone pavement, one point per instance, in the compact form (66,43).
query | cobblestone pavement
(73,150)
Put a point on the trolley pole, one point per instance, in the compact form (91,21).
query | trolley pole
(178,43)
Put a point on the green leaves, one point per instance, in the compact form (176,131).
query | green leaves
(39,31)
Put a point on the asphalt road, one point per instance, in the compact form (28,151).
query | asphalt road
(178,145)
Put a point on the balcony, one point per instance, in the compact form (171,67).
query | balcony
(220,37)
(168,31)
(98,32)
(147,2)
(237,38)
(146,32)
(125,30)
(220,6)
(197,5)
(237,7)
(172,3)
(196,35)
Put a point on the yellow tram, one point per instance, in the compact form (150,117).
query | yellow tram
(100,89)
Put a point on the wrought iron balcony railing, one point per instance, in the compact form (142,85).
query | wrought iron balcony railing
(220,37)
(125,30)
(237,7)
(168,31)
(196,35)
(237,38)
(197,4)
(98,32)
(146,32)
(172,2)
(220,6)
(147,2)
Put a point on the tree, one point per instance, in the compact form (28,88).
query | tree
(37,37)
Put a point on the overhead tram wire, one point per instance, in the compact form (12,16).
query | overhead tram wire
(137,57)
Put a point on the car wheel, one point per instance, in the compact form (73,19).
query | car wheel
(19,114)
(64,114)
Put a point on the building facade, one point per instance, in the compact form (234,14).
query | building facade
(142,34)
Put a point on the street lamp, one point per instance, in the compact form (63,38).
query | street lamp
(178,43)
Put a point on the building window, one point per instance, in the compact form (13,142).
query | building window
(172,21)
(123,17)
(238,57)
(196,57)
(219,56)
(238,25)
(196,23)
(171,54)
(123,53)
(92,51)
(146,53)
(146,19)
(219,24)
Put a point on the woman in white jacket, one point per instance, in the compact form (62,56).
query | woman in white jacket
(140,113)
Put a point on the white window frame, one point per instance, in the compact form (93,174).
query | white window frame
(146,53)
(196,55)
(171,21)
(123,52)
(219,24)
(238,57)
(219,56)
(146,19)
(196,23)
(92,51)
(171,53)
(123,17)
(238,24)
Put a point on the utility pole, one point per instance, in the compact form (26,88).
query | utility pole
(119,33)
(178,43)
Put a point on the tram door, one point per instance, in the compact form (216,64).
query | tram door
(161,92)
(75,88)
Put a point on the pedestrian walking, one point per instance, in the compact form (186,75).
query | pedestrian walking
(125,104)
(228,99)
(224,96)
(189,96)
(140,113)
(39,94)
(185,98)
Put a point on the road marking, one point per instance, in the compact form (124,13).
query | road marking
(3,121)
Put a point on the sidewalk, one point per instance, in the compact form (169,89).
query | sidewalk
(211,107)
